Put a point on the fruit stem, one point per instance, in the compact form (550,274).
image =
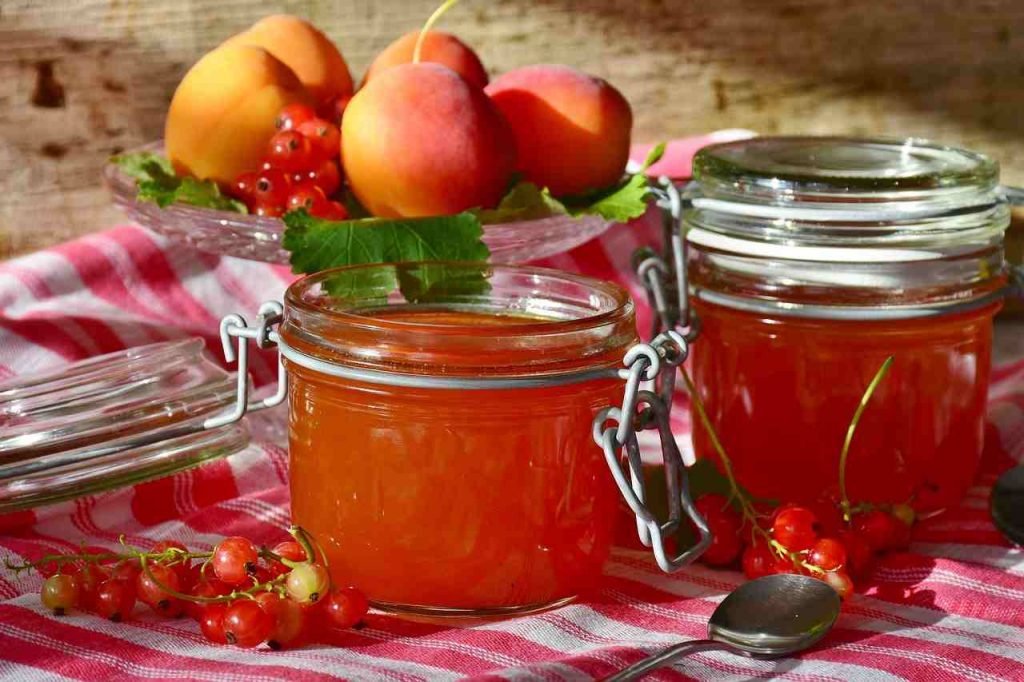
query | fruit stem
(235,594)
(844,454)
(303,538)
(170,557)
(445,6)
(746,507)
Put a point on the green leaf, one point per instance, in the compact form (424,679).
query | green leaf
(619,203)
(317,244)
(524,201)
(142,164)
(626,202)
(157,182)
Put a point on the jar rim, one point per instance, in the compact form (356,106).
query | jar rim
(573,321)
(295,297)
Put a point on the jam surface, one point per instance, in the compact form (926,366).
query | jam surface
(781,392)
(467,499)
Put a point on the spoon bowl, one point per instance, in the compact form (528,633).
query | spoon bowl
(776,615)
(773,616)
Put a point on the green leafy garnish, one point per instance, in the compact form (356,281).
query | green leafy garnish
(525,201)
(157,182)
(316,244)
(620,203)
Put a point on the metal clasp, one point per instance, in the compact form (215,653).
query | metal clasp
(234,330)
(663,276)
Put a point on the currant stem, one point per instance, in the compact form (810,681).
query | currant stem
(746,507)
(303,538)
(170,556)
(235,594)
(445,6)
(844,454)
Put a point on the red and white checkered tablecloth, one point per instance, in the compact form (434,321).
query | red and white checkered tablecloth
(950,608)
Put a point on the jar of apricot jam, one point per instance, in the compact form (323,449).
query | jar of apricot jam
(811,261)
(441,443)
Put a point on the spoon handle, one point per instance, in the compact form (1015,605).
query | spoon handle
(673,653)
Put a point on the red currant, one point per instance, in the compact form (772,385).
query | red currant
(840,582)
(89,579)
(335,108)
(246,624)
(234,560)
(272,188)
(828,516)
(794,528)
(309,197)
(290,150)
(289,620)
(346,607)
(152,592)
(267,210)
(206,589)
(115,599)
(244,186)
(334,211)
(60,593)
(724,524)
(877,528)
(858,552)
(290,550)
(325,137)
(827,554)
(294,115)
(127,571)
(211,622)
(326,176)
(308,583)
(758,560)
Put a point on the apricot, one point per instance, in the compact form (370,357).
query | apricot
(306,51)
(222,114)
(438,48)
(572,130)
(419,140)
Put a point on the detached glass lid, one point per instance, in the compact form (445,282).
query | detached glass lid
(112,420)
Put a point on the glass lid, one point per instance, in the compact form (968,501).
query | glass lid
(841,168)
(115,419)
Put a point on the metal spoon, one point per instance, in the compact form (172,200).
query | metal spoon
(1007,503)
(769,617)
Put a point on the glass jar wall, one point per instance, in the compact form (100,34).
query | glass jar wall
(811,261)
(450,470)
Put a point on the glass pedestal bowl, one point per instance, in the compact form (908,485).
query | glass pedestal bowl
(258,238)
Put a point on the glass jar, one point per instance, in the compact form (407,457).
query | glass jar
(441,449)
(811,261)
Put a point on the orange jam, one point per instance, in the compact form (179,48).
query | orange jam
(781,393)
(458,500)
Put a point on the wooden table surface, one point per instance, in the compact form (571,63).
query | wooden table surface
(82,79)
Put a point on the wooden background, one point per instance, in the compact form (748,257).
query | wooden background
(82,79)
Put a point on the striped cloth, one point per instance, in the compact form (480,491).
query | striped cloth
(948,609)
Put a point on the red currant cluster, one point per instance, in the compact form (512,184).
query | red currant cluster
(300,169)
(816,540)
(238,593)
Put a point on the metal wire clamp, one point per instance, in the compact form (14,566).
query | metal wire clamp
(663,276)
